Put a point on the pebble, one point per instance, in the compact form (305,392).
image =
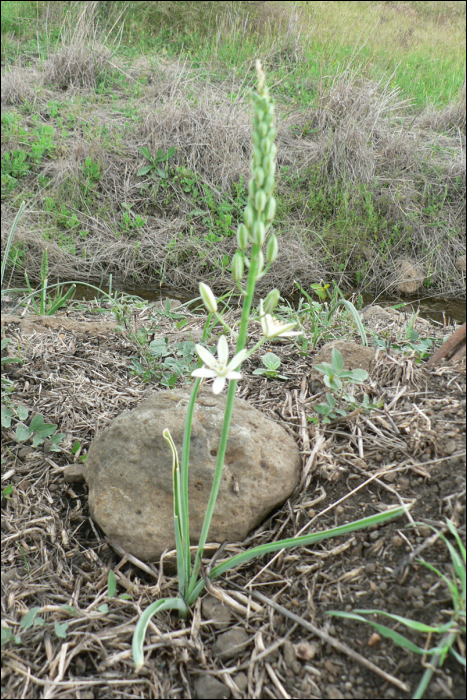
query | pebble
(231,643)
(209,688)
(397,541)
(214,610)
(450,447)
(241,681)
(370,568)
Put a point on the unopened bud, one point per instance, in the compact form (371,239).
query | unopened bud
(259,176)
(272,249)
(252,189)
(263,129)
(270,209)
(258,233)
(268,184)
(237,267)
(272,133)
(260,200)
(242,237)
(249,216)
(209,300)
(271,301)
(258,154)
(265,145)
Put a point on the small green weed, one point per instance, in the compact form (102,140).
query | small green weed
(338,380)
(155,169)
(271,364)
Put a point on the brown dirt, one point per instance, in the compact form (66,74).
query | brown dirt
(54,556)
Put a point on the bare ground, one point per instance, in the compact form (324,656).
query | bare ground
(56,558)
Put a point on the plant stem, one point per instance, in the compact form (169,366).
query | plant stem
(185,524)
(227,419)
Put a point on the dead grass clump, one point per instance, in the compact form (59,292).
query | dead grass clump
(84,55)
(212,137)
(17,86)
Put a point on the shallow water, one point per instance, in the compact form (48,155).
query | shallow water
(433,309)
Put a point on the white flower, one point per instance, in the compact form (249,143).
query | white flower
(219,369)
(272,328)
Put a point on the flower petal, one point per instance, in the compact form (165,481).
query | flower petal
(233,375)
(218,385)
(237,360)
(204,372)
(206,356)
(222,350)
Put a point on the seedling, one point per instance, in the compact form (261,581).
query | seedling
(271,364)
(154,168)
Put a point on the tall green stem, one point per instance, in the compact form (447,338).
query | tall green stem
(250,289)
(185,524)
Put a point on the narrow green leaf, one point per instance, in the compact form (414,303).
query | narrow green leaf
(143,622)
(111,584)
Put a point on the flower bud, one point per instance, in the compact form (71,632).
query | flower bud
(265,146)
(269,117)
(272,150)
(252,189)
(268,164)
(258,233)
(256,138)
(257,155)
(242,237)
(263,129)
(237,267)
(270,209)
(259,176)
(209,300)
(271,301)
(260,200)
(249,215)
(272,249)
(268,184)
(272,133)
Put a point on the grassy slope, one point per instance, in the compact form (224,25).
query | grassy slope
(364,177)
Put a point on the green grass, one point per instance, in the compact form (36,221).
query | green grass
(348,216)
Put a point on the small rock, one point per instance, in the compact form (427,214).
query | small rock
(397,541)
(306,651)
(74,474)
(241,681)
(290,657)
(390,477)
(334,693)
(24,452)
(450,447)
(409,277)
(216,611)
(47,446)
(461,263)
(209,688)
(231,643)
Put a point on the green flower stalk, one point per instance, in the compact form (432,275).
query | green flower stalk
(252,235)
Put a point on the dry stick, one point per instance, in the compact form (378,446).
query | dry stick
(339,646)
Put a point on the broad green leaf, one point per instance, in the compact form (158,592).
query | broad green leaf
(22,432)
(28,619)
(37,422)
(61,629)
(22,412)
(337,360)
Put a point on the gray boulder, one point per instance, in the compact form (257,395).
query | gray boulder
(129,471)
